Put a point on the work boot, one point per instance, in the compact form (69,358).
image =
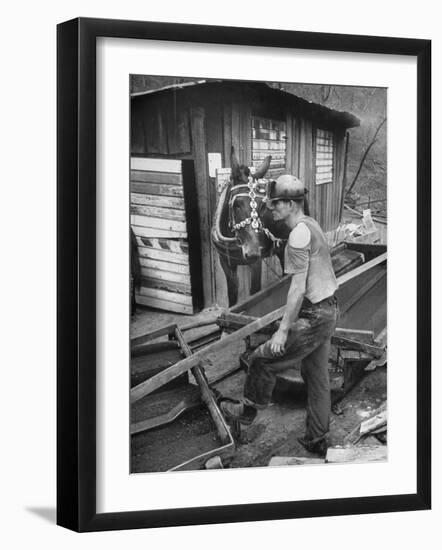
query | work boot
(318,446)
(239,411)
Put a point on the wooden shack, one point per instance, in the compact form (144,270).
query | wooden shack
(202,120)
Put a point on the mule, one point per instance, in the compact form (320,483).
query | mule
(244,231)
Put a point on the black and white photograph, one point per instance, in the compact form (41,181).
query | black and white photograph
(258,274)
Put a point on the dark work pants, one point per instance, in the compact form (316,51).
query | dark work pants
(308,341)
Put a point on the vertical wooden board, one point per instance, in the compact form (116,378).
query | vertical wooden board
(150,124)
(214,138)
(297,144)
(171,122)
(183,131)
(344,171)
(244,282)
(329,200)
(236,132)
(289,163)
(246,133)
(137,141)
(162,132)
(214,128)
(227,133)
(306,163)
(221,297)
(193,231)
(341,139)
(302,157)
(202,179)
(271,271)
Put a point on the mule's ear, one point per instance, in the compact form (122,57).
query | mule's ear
(234,162)
(262,169)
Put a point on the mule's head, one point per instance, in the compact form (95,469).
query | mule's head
(243,206)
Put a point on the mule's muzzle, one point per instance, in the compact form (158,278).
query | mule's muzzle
(251,256)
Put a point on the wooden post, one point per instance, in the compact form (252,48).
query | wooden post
(206,394)
(202,178)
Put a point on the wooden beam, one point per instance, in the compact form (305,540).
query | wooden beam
(356,455)
(156,189)
(362,269)
(172,372)
(184,405)
(347,343)
(206,393)
(366,336)
(361,291)
(156,177)
(155,165)
(151,335)
(199,151)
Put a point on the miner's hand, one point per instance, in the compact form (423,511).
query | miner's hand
(278,342)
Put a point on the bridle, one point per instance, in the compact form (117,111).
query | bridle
(256,190)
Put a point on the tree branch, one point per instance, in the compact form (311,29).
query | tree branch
(364,156)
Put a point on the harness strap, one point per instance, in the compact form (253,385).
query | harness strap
(254,220)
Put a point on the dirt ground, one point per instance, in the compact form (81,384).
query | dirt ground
(274,432)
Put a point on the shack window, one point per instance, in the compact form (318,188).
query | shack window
(324,156)
(269,138)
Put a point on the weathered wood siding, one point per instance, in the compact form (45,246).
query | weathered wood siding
(191,123)
(163,223)
(324,199)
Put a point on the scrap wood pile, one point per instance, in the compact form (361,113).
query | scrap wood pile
(357,448)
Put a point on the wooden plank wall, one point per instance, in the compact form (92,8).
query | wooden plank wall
(158,219)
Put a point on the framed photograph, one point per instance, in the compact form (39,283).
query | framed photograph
(228,202)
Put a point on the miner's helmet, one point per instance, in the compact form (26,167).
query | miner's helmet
(286,187)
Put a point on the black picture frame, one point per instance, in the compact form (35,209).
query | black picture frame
(76,273)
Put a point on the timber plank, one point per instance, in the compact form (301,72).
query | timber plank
(199,151)
(155,212)
(165,275)
(171,245)
(184,299)
(163,255)
(155,165)
(363,268)
(156,177)
(160,223)
(152,334)
(171,286)
(163,304)
(348,343)
(366,336)
(357,455)
(191,398)
(153,232)
(356,296)
(177,203)
(156,189)
(165,266)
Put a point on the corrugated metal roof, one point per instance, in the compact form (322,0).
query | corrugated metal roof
(344,117)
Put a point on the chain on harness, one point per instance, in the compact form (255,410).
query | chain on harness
(255,187)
